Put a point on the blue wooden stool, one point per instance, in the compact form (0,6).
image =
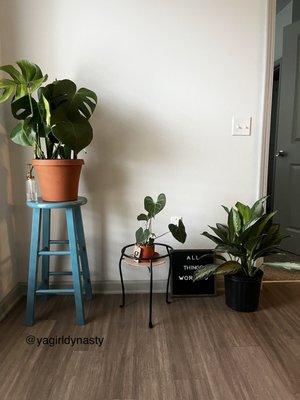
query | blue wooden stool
(41,217)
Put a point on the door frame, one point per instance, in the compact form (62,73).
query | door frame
(268,70)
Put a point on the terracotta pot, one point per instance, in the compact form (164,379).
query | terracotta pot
(147,251)
(58,179)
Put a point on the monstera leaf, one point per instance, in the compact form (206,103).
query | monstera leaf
(23,134)
(68,112)
(25,109)
(24,81)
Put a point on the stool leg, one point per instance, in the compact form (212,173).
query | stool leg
(80,320)
(83,254)
(168,281)
(122,281)
(46,221)
(33,263)
(150,295)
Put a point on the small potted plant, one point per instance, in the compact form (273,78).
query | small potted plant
(145,237)
(54,121)
(248,236)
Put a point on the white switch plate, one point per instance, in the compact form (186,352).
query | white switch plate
(174,220)
(241,126)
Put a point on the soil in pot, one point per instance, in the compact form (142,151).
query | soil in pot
(242,292)
(58,179)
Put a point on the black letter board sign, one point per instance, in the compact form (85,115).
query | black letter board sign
(183,265)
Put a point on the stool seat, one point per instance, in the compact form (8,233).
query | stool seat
(51,204)
(40,248)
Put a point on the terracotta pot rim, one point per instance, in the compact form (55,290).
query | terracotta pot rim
(57,162)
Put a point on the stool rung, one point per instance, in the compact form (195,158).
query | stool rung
(62,273)
(59,242)
(53,253)
(54,291)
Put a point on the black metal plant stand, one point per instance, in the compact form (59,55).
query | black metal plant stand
(150,263)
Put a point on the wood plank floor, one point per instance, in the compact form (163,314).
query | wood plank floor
(198,349)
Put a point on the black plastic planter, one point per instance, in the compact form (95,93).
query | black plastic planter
(242,292)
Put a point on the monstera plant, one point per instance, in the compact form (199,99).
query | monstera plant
(145,237)
(53,120)
(241,244)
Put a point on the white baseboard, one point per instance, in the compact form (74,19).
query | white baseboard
(113,287)
(104,287)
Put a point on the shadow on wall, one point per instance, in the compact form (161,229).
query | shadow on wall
(8,275)
(123,146)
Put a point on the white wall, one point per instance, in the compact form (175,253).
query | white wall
(283,18)
(169,74)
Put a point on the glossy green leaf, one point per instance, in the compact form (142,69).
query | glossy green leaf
(23,134)
(14,73)
(178,231)
(65,107)
(244,211)
(142,217)
(21,108)
(226,209)
(139,234)
(213,238)
(152,207)
(7,89)
(76,134)
(291,266)
(257,209)
(85,101)
(205,271)
(27,80)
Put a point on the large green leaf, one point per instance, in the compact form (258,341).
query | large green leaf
(23,82)
(23,134)
(76,134)
(69,112)
(7,89)
(213,238)
(228,267)
(220,232)
(244,211)
(257,209)
(152,207)
(205,271)
(291,266)
(21,108)
(234,223)
(85,101)
(178,231)
(142,236)
(250,235)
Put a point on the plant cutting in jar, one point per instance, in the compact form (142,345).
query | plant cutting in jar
(54,121)
(145,237)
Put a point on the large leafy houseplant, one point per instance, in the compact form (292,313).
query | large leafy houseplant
(242,243)
(54,121)
(145,237)
(249,235)
(56,114)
